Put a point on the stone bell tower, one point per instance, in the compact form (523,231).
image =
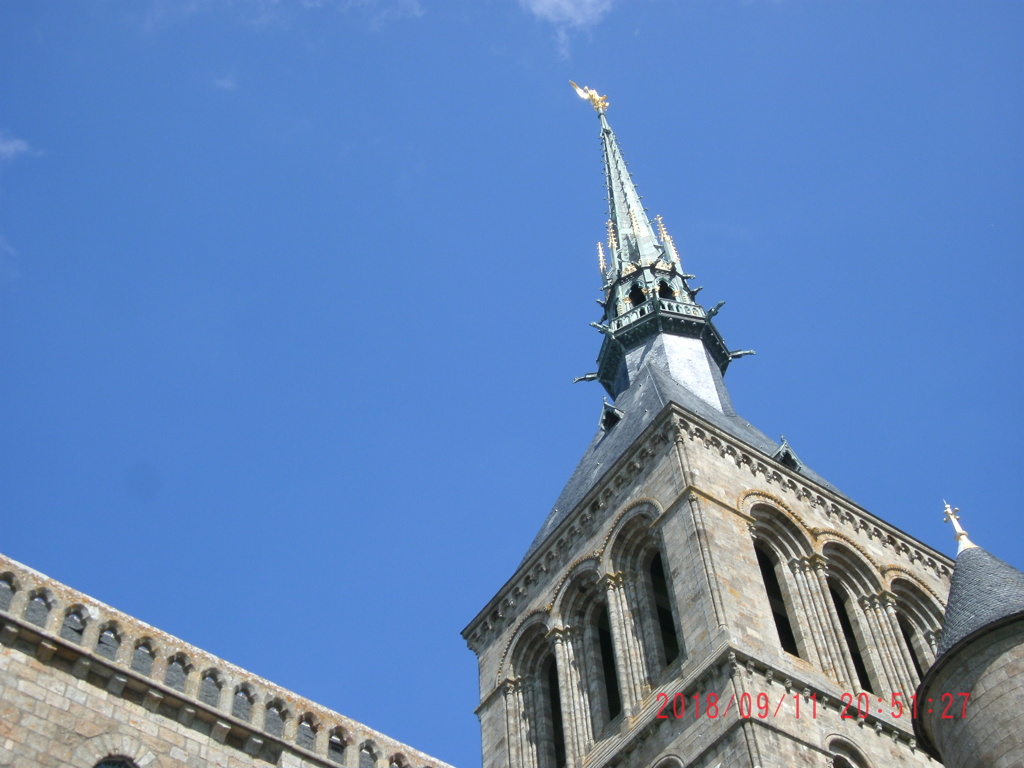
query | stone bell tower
(698,596)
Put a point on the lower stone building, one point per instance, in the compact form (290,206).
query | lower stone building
(84,685)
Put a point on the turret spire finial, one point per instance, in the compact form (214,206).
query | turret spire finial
(597,101)
(950,516)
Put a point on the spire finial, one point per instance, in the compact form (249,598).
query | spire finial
(597,101)
(600,258)
(613,241)
(950,516)
(666,240)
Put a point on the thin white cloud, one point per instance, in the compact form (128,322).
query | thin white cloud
(9,272)
(568,13)
(226,83)
(11,147)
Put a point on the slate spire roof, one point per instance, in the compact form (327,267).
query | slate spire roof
(659,344)
(984,591)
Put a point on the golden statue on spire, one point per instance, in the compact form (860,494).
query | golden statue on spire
(597,101)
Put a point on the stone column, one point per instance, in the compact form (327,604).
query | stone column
(877,647)
(520,751)
(628,655)
(797,567)
(828,648)
(575,706)
(845,671)
(908,675)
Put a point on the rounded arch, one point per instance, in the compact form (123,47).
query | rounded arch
(540,616)
(918,605)
(577,593)
(114,746)
(530,647)
(631,536)
(851,568)
(845,755)
(776,526)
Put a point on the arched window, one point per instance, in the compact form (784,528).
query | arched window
(636,295)
(767,562)
(209,689)
(553,707)
(115,762)
(37,610)
(177,673)
(73,626)
(842,603)
(909,637)
(366,757)
(6,591)
(606,653)
(305,736)
(241,703)
(108,643)
(919,621)
(661,609)
(664,291)
(336,746)
(845,755)
(142,659)
(273,721)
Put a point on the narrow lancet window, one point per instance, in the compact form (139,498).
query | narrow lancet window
(554,713)
(608,670)
(909,635)
(662,606)
(783,626)
(840,601)
(664,291)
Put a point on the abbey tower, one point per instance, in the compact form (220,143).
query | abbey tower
(698,596)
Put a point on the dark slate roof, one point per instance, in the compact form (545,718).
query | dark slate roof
(984,590)
(651,390)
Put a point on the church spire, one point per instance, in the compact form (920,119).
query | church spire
(650,311)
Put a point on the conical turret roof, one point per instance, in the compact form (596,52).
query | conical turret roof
(984,590)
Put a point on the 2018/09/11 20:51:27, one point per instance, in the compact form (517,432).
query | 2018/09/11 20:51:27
(852,706)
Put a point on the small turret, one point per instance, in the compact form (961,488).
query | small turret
(970,703)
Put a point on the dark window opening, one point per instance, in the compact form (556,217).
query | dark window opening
(663,610)
(241,707)
(6,593)
(37,611)
(555,712)
(176,674)
(142,660)
(636,295)
(665,292)
(611,680)
(306,736)
(73,627)
(839,601)
(787,639)
(107,644)
(908,637)
(336,749)
(209,691)
(273,722)
(366,758)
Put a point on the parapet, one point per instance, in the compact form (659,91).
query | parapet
(74,634)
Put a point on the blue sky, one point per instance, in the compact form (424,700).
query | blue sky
(292,294)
